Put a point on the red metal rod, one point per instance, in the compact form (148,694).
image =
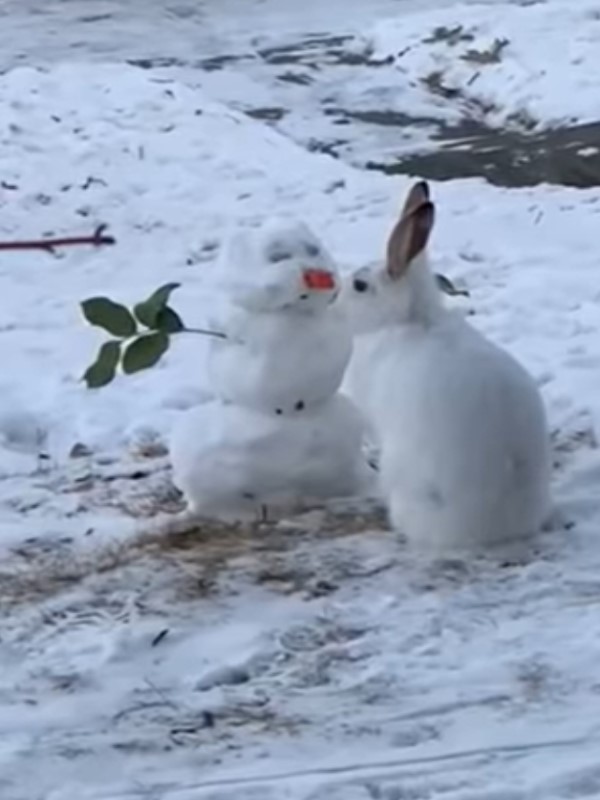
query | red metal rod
(97,239)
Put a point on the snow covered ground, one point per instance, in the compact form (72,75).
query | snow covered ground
(509,64)
(370,82)
(56,30)
(317,660)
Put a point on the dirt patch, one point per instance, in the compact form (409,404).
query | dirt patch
(518,156)
(317,64)
(565,157)
(188,558)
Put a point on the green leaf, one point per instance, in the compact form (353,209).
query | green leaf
(149,310)
(113,317)
(103,370)
(446,286)
(169,321)
(145,351)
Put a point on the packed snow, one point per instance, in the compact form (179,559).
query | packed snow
(316,659)
(278,433)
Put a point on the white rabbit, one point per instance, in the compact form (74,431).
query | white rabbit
(233,463)
(288,344)
(464,446)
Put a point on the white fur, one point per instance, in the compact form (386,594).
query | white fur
(231,462)
(464,447)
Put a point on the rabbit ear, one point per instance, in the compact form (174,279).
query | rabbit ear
(409,238)
(418,194)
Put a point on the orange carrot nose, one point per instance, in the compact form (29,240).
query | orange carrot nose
(318,279)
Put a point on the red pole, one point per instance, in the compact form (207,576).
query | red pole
(97,239)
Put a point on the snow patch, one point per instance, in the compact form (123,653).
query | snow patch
(505,64)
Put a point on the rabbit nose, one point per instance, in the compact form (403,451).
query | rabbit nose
(318,279)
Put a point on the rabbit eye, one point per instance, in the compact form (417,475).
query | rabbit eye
(360,285)
(312,250)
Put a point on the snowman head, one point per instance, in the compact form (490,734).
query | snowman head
(281,265)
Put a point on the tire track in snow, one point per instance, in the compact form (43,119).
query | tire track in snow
(367,769)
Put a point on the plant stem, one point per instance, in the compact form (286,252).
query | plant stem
(204,332)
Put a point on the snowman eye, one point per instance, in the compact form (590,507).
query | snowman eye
(360,285)
(278,255)
(312,250)
(275,256)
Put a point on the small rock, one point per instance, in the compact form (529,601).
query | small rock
(80,450)
(223,676)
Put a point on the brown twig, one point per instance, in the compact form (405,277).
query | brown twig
(97,239)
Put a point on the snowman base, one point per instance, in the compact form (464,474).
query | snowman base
(240,465)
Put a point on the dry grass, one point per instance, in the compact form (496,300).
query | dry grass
(30,578)
(452,36)
(191,559)
(492,55)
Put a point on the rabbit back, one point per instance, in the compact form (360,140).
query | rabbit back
(464,446)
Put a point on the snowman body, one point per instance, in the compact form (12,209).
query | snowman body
(280,361)
(278,435)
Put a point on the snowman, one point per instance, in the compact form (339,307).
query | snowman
(278,436)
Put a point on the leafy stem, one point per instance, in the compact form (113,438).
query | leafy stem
(131,348)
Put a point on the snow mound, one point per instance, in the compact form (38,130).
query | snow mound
(530,66)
